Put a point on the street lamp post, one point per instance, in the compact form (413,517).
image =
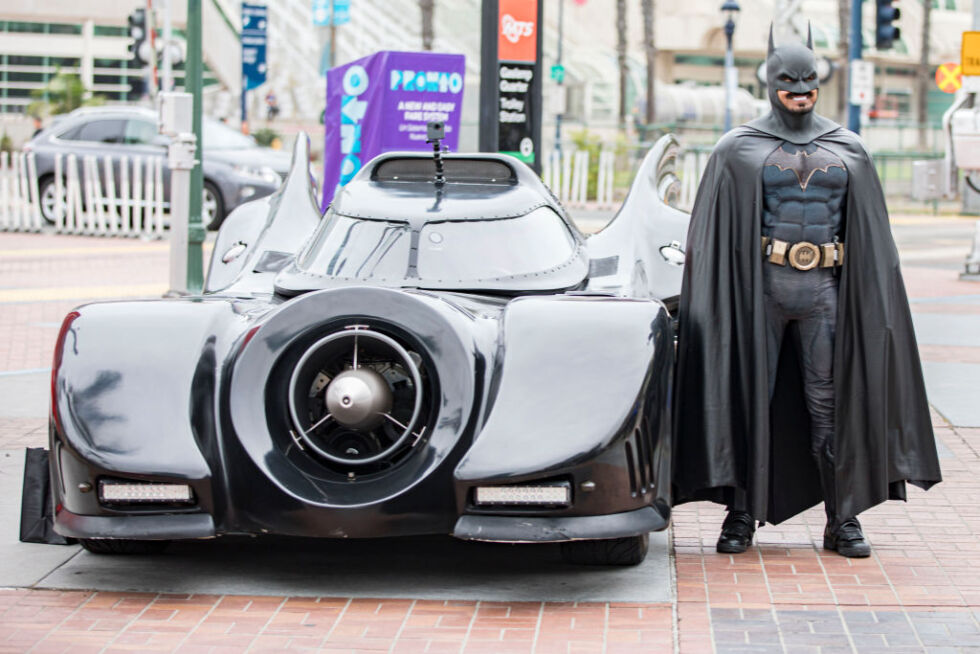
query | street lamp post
(730,9)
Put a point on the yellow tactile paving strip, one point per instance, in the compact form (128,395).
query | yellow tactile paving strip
(49,293)
(27,253)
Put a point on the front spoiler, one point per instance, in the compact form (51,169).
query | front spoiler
(135,527)
(535,529)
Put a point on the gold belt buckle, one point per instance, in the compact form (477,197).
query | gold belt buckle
(804,256)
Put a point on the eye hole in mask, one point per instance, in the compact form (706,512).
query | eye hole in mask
(812,77)
(786,78)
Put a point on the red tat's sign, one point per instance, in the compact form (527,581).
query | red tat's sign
(517,24)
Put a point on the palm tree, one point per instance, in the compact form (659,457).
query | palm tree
(649,47)
(428,32)
(924,75)
(621,57)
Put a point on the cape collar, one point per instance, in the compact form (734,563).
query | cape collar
(799,134)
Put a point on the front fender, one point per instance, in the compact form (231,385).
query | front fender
(576,372)
(129,377)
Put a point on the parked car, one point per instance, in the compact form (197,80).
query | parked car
(428,357)
(236,168)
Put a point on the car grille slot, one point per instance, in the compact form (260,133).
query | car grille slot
(631,469)
(639,459)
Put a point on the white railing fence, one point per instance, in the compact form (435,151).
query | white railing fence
(20,209)
(568,175)
(84,197)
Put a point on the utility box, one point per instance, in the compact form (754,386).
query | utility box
(176,113)
(965,125)
(927,179)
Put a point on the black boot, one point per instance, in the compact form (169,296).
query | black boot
(843,536)
(736,532)
(846,539)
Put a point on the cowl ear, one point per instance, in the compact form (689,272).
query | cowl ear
(809,35)
(772,43)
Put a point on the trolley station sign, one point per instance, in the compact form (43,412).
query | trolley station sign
(510,91)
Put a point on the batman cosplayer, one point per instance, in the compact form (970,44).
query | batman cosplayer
(798,376)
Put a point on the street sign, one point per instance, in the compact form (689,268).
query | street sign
(254,24)
(862,82)
(558,73)
(949,77)
(970,53)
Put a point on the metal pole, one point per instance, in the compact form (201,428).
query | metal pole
(853,110)
(971,269)
(537,88)
(729,72)
(151,37)
(561,76)
(168,75)
(489,77)
(243,100)
(193,84)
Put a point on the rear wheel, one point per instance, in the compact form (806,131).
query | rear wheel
(612,551)
(212,206)
(123,546)
(47,192)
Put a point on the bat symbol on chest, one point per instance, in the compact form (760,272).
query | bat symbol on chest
(804,164)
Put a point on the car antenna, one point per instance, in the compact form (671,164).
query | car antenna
(436,131)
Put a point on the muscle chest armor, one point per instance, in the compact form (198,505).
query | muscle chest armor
(803,189)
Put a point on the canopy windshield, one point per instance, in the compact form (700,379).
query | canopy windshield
(465,252)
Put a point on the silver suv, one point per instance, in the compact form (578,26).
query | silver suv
(236,168)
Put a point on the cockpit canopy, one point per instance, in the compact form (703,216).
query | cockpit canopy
(492,226)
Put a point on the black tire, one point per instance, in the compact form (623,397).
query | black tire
(212,206)
(613,551)
(46,186)
(122,546)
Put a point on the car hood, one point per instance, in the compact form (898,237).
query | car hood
(275,159)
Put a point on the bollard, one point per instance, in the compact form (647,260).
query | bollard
(972,271)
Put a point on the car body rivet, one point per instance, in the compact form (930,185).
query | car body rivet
(587,486)
(85,487)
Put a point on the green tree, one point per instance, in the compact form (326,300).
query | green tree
(63,93)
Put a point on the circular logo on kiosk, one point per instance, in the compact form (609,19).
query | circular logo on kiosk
(527,147)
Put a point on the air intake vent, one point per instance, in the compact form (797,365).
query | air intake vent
(639,459)
(358,401)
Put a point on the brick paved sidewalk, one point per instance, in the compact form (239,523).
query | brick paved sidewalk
(919,592)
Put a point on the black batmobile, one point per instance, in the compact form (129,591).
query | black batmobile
(442,352)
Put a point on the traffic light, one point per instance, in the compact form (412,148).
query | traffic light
(137,32)
(885,32)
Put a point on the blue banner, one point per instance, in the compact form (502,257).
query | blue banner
(254,23)
(341,12)
(325,12)
(321,12)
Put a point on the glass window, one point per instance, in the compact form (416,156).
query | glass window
(359,249)
(139,132)
(216,136)
(101,131)
(462,252)
(492,249)
(111,30)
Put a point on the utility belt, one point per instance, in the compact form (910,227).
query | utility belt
(803,255)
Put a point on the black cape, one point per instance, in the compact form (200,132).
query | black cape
(729,445)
